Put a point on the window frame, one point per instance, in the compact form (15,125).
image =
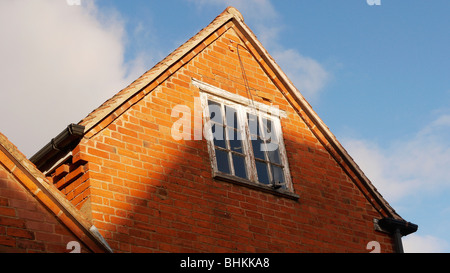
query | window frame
(244,107)
(211,145)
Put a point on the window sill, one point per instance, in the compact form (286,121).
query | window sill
(247,183)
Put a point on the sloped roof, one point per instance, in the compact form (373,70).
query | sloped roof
(159,72)
(57,204)
(112,108)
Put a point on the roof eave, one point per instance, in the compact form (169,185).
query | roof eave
(164,66)
(58,146)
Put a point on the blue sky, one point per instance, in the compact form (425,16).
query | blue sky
(378,75)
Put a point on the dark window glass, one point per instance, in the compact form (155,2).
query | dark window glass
(263,175)
(253,125)
(235,140)
(258,148)
(267,125)
(222,161)
(239,166)
(268,131)
(219,135)
(215,113)
(231,117)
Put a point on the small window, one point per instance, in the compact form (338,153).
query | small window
(245,143)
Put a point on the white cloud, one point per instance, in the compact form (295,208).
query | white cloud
(415,165)
(59,62)
(413,173)
(307,74)
(423,244)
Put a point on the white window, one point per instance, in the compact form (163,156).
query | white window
(245,139)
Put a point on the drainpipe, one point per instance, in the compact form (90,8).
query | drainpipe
(398,228)
(398,241)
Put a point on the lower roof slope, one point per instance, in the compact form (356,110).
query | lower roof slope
(35,182)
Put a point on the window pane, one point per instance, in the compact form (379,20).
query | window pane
(231,116)
(278,175)
(267,125)
(268,130)
(215,113)
(253,125)
(274,156)
(239,166)
(235,140)
(222,161)
(219,135)
(263,176)
(258,148)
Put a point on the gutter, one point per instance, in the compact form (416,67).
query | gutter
(398,228)
(58,146)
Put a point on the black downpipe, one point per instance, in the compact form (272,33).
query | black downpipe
(398,228)
(398,241)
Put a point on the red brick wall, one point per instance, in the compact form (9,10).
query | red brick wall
(71,178)
(150,193)
(25,224)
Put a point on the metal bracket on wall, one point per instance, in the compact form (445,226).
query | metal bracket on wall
(377,227)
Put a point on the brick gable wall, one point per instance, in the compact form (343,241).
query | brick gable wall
(146,192)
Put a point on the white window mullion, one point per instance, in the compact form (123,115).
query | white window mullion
(283,155)
(249,158)
(227,139)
